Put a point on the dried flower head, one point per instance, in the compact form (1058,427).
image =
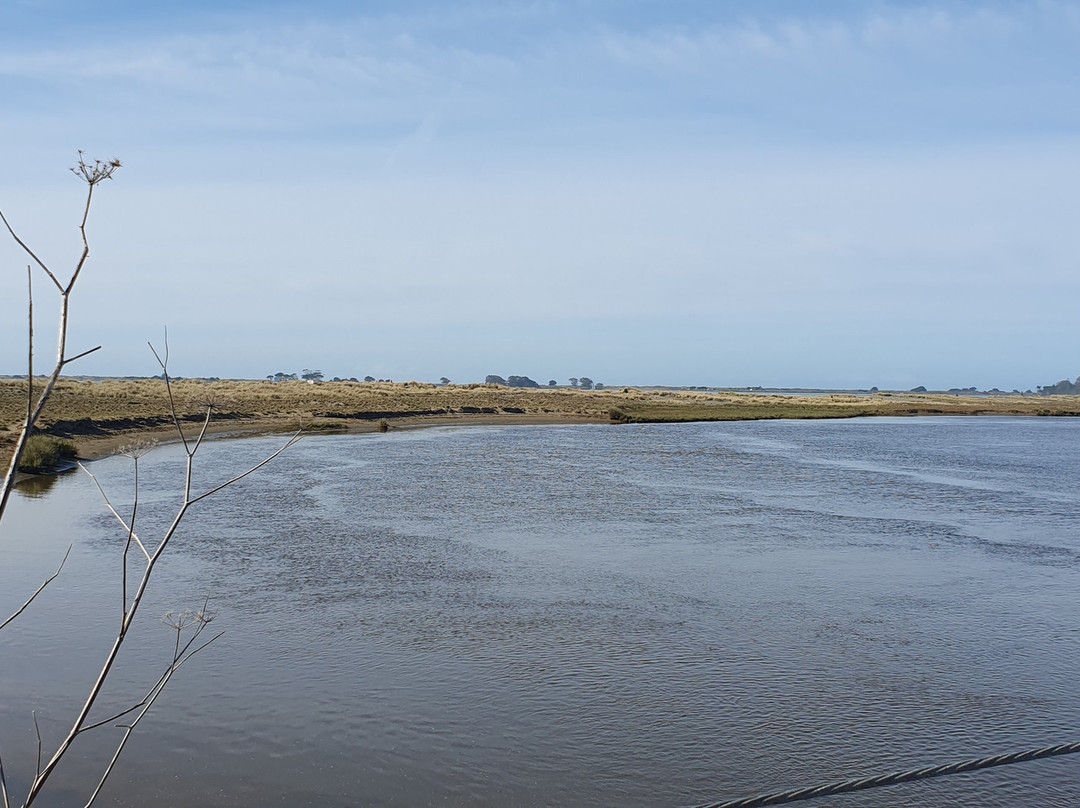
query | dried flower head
(93,173)
(185,619)
(137,449)
(211,399)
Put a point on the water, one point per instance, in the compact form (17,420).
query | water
(575,615)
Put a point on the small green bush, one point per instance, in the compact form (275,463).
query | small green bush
(43,453)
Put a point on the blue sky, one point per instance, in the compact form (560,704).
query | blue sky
(703,193)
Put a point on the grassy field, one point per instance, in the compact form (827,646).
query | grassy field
(95,411)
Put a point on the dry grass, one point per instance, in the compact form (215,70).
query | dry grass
(81,410)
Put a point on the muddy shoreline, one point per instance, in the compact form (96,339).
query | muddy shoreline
(92,446)
(100,417)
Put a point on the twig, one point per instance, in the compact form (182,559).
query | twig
(3,785)
(71,359)
(39,590)
(129,528)
(293,439)
(30,252)
(145,704)
(29,343)
(164,363)
(81,719)
(37,731)
(91,174)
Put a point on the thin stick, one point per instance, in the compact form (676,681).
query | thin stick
(129,528)
(37,730)
(3,785)
(164,363)
(92,175)
(127,545)
(146,705)
(297,436)
(39,590)
(30,252)
(29,342)
(71,359)
(80,722)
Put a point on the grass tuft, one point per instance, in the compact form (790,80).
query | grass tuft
(44,453)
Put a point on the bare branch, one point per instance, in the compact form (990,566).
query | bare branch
(116,716)
(136,600)
(30,252)
(29,342)
(40,589)
(146,703)
(92,175)
(127,545)
(37,731)
(292,440)
(71,359)
(129,528)
(3,786)
(202,432)
(164,364)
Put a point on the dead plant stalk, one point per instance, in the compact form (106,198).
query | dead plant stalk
(194,623)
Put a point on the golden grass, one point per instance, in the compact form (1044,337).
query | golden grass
(80,409)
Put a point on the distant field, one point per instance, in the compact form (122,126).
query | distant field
(95,411)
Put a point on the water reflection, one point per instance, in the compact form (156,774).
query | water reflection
(37,486)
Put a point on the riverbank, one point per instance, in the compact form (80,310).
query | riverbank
(101,416)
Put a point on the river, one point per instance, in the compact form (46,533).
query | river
(642,615)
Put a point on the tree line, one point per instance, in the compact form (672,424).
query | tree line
(584,382)
(311,375)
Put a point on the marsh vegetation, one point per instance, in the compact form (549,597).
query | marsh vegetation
(86,411)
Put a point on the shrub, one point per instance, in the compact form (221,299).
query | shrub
(43,453)
(520,381)
(384,425)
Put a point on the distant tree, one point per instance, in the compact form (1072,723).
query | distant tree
(1062,388)
(521,381)
(369,378)
(493,379)
(586,383)
(599,386)
(553,383)
(312,375)
(573,382)
(353,379)
(280,377)
(444,381)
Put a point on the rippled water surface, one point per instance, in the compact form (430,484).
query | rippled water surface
(575,615)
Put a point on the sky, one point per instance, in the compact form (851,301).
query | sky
(687,192)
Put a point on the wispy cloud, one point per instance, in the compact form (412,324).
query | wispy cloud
(876,70)
(883,30)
